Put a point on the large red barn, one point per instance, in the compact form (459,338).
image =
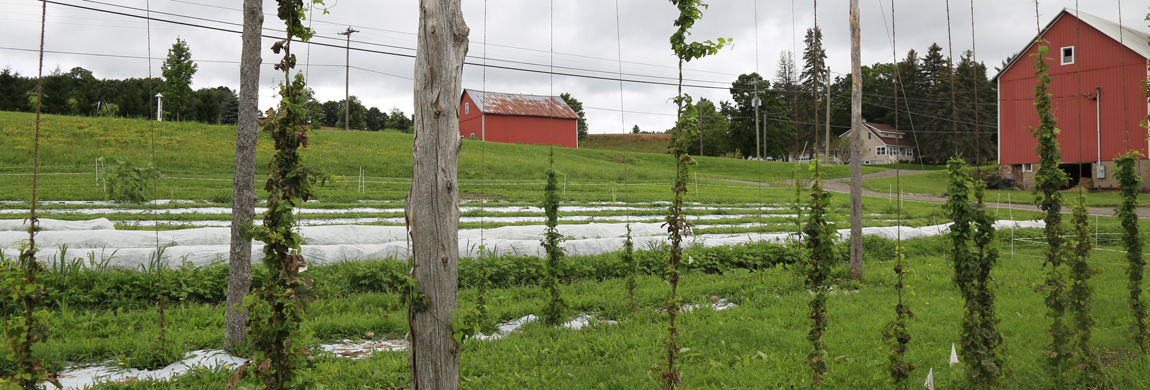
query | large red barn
(1096,70)
(512,118)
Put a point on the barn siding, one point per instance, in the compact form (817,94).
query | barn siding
(470,123)
(1102,62)
(532,130)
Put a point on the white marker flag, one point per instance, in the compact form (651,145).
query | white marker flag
(953,355)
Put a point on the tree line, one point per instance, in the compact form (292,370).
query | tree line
(78,92)
(792,110)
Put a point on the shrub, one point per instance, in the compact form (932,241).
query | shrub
(125,181)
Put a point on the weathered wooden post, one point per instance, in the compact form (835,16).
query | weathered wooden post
(433,201)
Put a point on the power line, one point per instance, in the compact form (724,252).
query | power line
(540,71)
(485,43)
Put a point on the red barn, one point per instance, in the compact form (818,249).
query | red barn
(512,118)
(1096,70)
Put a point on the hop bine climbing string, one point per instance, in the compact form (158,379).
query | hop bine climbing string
(895,334)
(974,255)
(157,266)
(1048,180)
(689,12)
(27,323)
(277,308)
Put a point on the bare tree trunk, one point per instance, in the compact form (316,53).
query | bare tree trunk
(856,145)
(433,201)
(243,183)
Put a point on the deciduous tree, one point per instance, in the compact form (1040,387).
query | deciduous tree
(178,70)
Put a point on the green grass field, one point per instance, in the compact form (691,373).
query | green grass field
(197,160)
(633,143)
(935,182)
(759,344)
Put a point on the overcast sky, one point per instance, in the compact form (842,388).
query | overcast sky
(577,37)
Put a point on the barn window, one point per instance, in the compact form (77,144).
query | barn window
(466,108)
(1068,55)
(1028,167)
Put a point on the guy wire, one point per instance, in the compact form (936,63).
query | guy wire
(622,113)
(158,267)
(976,80)
(483,143)
(950,69)
(32,221)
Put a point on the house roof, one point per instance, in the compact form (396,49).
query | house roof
(875,128)
(1133,39)
(516,104)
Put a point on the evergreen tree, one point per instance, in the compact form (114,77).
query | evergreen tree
(813,82)
(976,107)
(577,106)
(56,91)
(787,83)
(939,135)
(85,91)
(229,107)
(205,106)
(909,91)
(178,70)
(131,101)
(13,96)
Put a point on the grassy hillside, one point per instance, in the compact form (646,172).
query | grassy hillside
(197,161)
(645,143)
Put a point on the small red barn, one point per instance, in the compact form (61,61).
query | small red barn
(513,118)
(1096,70)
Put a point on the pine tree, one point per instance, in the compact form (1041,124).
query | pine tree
(13,97)
(813,81)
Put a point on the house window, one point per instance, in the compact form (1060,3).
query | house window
(466,108)
(1068,55)
(880,151)
(867,135)
(1028,167)
(909,152)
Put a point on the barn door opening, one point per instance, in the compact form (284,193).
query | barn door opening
(1080,174)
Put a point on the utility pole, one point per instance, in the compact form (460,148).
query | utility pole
(758,144)
(856,146)
(700,112)
(827,140)
(347,81)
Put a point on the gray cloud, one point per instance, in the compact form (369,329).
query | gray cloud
(583,36)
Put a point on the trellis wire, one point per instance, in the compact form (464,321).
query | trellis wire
(622,113)
(32,220)
(951,70)
(155,202)
(898,84)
